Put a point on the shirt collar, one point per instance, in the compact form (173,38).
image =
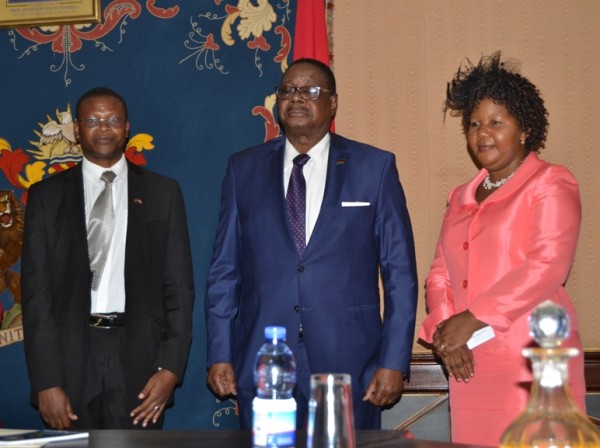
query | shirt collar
(93,172)
(318,153)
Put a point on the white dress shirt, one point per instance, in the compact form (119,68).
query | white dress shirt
(315,175)
(110,296)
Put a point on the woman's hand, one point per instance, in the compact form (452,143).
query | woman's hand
(459,363)
(449,342)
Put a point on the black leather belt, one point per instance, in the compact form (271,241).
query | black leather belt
(107,320)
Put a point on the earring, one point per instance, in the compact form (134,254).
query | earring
(523,140)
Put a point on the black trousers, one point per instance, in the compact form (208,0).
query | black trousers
(106,398)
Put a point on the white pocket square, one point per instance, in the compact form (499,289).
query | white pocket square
(355,204)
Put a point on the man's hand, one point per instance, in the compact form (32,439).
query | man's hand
(55,408)
(155,394)
(221,380)
(385,388)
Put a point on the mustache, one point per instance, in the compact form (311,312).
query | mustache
(297,108)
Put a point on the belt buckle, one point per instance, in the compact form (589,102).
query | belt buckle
(102,321)
(96,321)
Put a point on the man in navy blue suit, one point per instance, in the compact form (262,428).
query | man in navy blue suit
(325,288)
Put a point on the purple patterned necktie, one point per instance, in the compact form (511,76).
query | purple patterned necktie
(296,203)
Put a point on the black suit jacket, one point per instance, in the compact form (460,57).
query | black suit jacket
(56,281)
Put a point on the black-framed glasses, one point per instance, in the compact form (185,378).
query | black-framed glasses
(93,122)
(307,93)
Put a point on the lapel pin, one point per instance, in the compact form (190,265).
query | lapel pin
(340,162)
(137,201)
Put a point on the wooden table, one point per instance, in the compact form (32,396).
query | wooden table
(229,439)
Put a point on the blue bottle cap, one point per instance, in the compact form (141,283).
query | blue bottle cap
(275,333)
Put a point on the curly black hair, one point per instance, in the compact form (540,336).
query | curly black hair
(498,81)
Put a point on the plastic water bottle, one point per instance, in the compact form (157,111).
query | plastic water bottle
(274,408)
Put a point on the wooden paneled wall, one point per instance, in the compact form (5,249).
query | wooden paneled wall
(427,374)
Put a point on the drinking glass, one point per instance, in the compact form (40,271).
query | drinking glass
(331,417)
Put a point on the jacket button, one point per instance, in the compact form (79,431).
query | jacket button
(465,284)
(297,308)
(300,268)
(465,245)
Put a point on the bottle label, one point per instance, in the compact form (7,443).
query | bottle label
(274,422)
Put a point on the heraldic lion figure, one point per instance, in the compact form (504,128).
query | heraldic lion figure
(11,244)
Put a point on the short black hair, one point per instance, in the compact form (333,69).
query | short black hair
(498,81)
(322,67)
(98,92)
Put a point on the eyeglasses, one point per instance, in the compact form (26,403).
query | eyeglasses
(113,122)
(307,93)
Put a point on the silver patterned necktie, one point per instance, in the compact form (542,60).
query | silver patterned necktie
(100,229)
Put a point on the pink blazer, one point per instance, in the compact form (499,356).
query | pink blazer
(503,257)
(500,259)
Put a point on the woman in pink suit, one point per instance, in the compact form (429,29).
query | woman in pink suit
(507,244)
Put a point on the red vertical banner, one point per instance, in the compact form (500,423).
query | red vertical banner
(310,37)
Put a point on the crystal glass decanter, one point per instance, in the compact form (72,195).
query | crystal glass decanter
(551,419)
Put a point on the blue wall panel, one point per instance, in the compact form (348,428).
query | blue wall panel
(192,76)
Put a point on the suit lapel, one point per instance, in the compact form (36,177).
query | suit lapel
(72,222)
(74,203)
(337,165)
(136,191)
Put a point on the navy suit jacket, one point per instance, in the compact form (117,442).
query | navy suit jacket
(257,279)
(56,282)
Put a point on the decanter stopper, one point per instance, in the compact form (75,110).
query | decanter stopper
(549,325)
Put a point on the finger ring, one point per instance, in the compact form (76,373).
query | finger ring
(156,408)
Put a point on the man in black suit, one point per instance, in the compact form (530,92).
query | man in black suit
(106,346)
